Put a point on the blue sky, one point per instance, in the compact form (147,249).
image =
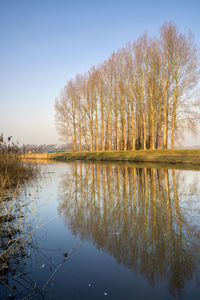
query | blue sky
(45,43)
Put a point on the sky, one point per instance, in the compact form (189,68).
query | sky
(45,43)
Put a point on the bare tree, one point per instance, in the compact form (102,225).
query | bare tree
(137,99)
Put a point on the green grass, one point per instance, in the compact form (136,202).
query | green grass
(152,156)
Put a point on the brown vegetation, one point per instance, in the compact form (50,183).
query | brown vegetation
(13,206)
(12,170)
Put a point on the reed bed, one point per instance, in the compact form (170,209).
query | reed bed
(40,156)
(17,209)
(13,172)
(44,155)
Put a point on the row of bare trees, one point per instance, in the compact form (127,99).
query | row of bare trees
(140,98)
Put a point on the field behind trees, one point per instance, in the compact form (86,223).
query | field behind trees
(141,97)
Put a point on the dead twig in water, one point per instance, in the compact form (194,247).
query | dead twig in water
(5,284)
(21,274)
(67,255)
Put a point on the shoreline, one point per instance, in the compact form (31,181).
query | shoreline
(174,157)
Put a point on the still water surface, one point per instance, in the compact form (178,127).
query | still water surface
(112,231)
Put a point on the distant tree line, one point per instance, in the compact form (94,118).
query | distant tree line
(7,146)
(140,98)
(33,148)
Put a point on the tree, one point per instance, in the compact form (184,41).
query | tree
(140,97)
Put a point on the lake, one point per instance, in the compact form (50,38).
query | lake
(107,231)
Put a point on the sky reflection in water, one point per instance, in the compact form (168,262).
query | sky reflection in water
(121,232)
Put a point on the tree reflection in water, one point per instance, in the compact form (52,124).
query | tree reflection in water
(135,215)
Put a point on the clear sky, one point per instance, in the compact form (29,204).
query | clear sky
(44,43)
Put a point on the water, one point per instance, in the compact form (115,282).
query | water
(109,231)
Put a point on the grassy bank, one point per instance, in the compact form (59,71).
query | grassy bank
(153,156)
